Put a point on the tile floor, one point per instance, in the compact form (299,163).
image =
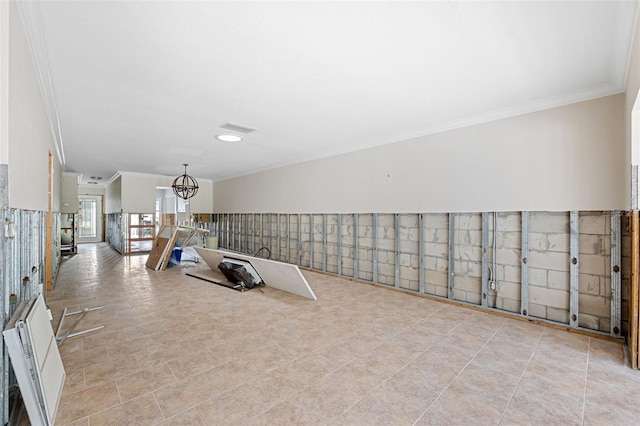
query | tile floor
(176,350)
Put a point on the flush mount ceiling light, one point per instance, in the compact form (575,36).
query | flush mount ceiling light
(185,186)
(229,138)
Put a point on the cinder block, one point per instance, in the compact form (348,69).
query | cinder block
(386,220)
(474,298)
(468,252)
(436,278)
(474,269)
(365,266)
(460,268)
(365,219)
(437,236)
(549,222)
(558,280)
(589,321)
(364,275)
(468,284)
(538,277)
(414,261)
(549,297)
(512,274)
(592,264)
(405,259)
(460,295)
(466,237)
(382,257)
(538,241)
(365,231)
(441,291)
(508,257)
(408,273)
(498,274)
(558,315)
(436,220)
(347,239)
(594,223)
(509,291)
(589,284)
(347,252)
(468,221)
(508,240)
(592,244)
(409,220)
(594,305)
(508,305)
(410,247)
(549,260)
(430,262)
(535,310)
(605,325)
(386,269)
(605,286)
(364,254)
(442,265)
(414,235)
(437,249)
(559,242)
(509,221)
(386,244)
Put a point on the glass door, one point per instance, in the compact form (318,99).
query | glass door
(89,219)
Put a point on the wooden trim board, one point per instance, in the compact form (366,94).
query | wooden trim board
(282,276)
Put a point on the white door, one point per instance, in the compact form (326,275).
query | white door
(89,219)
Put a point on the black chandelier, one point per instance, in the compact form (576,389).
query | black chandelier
(185,186)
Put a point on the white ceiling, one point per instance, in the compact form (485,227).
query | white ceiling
(145,86)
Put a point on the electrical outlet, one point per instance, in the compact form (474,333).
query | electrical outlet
(493,285)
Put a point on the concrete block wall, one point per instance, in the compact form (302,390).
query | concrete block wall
(508,264)
(595,271)
(467,256)
(549,263)
(625,271)
(436,254)
(408,251)
(385,249)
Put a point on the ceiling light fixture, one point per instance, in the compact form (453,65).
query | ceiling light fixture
(229,138)
(185,186)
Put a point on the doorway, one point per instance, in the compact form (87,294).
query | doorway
(89,219)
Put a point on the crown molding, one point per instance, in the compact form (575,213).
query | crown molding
(31,18)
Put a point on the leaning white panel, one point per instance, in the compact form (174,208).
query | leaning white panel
(47,356)
(36,360)
(283,276)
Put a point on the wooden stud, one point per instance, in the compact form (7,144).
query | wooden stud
(633,290)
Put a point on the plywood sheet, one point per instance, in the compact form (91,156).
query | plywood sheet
(280,275)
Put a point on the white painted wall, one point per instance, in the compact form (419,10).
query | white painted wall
(91,190)
(566,158)
(29,133)
(69,193)
(139,193)
(632,118)
(4,81)
(113,196)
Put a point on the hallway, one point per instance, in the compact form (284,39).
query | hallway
(177,350)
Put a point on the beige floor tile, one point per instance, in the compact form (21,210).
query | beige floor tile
(145,381)
(359,355)
(139,411)
(187,418)
(83,403)
(110,370)
(232,407)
